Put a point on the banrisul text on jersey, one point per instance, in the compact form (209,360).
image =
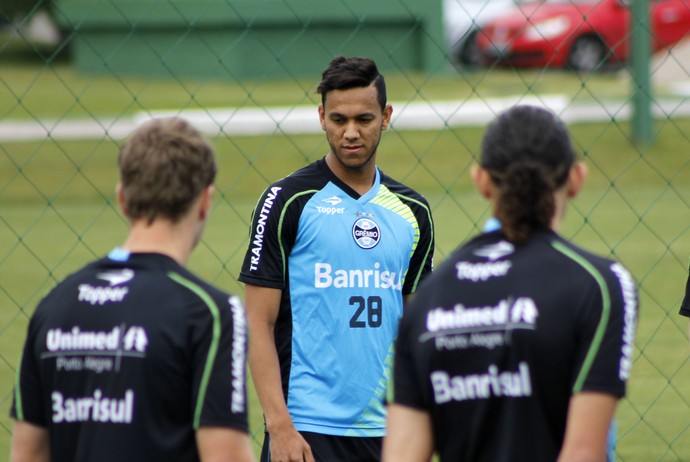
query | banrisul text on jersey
(326,276)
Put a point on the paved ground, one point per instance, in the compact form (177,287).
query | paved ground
(302,120)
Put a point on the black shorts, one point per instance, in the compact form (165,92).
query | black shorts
(328,448)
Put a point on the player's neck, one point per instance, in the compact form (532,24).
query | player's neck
(561,204)
(360,179)
(162,237)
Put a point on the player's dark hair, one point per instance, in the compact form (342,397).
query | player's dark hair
(164,166)
(346,73)
(528,154)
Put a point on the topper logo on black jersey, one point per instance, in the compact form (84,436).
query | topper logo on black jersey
(366,233)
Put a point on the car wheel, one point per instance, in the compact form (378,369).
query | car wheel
(469,53)
(587,54)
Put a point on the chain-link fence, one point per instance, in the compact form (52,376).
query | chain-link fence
(77,75)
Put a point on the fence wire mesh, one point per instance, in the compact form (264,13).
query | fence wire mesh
(77,75)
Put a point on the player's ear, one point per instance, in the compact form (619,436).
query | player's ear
(576,178)
(387,113)
(205,202)
(121,199)
(322,117)
(482,180)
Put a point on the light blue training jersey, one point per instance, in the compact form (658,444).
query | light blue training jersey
(344,262)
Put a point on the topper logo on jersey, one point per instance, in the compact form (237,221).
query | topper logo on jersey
(332,210)
(481,271)
(117,277)
(111,294)
(333,200)
(366,233)
(101,295)
(495,251)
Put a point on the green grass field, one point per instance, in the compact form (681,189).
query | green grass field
(57,210)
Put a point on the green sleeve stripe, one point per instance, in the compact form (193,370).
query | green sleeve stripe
(215,340)
(280,228)
(605,312)
(431,241)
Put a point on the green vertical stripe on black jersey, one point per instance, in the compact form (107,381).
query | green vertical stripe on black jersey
(605,311)
(215,339)
(431,241)
(280,227)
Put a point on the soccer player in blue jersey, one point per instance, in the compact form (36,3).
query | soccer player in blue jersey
(334,249)
(519,346)
(134,358)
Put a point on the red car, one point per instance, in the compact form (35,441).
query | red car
(581,34)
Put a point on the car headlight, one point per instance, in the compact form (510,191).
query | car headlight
(547,29)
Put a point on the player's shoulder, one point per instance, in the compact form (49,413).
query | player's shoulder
(289,194)
(576,252)
(198,288)
(593,264)
(78,285)
(72,281)
(307,178)
(403,191)
(484,246)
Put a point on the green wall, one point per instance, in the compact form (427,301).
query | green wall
(250,38)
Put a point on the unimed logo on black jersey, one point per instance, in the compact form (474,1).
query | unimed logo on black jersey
(75,339)
(487,327)
(77,350)
(521,312)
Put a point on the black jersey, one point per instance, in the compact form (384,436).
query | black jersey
(126,358)
(685,307)
(497,340)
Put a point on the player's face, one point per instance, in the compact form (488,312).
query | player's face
(353,122)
